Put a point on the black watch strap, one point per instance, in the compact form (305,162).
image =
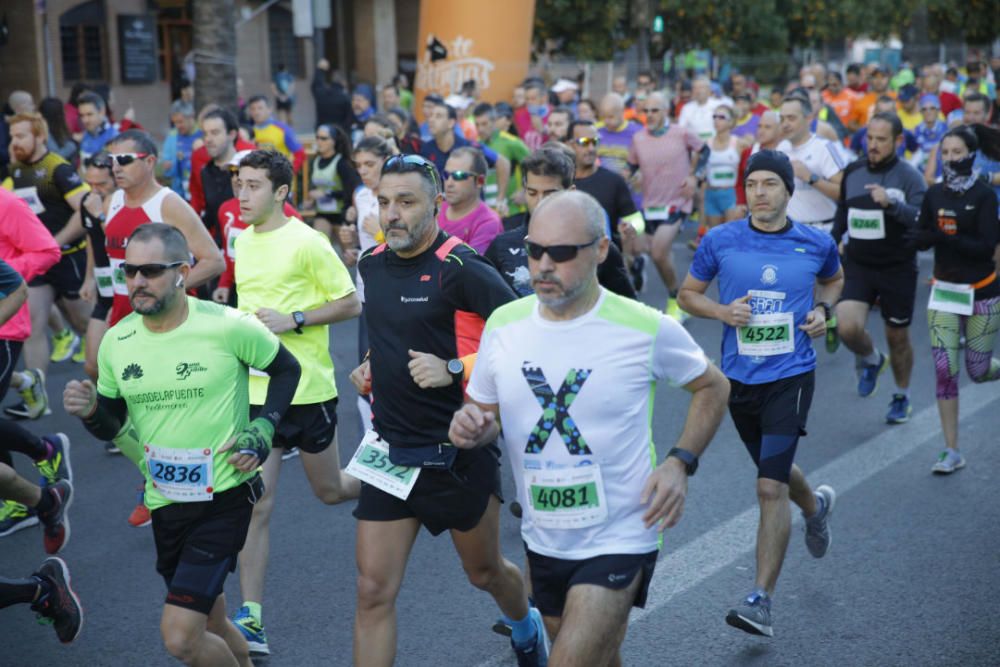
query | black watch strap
(689,460)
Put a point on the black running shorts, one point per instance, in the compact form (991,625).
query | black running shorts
(551,578)
(895,288)
(309,427)
(197,544)
(66,277)
(441,500)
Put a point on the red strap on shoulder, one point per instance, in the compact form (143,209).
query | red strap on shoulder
(447,247)
(380,248)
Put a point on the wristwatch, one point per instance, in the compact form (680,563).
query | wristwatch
(813,179)
(300,320)
(689,460)
(827,309)
(457,369)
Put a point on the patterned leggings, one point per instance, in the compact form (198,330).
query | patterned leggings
(980,335)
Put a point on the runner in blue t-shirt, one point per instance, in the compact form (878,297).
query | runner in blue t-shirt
(769,268)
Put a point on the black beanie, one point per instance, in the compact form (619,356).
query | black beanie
(768,160)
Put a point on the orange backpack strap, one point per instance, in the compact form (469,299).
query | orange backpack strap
(450,244)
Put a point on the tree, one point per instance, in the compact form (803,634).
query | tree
(583,29)
(215,53)
(973,21)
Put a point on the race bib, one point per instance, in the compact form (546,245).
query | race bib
(952,298)
(566,498)
(104,276)
(231,236)
(767,335)
(30,197)
(118,277)
(371,465)
(657,212)
(722,177)
(180,475)
(491,193)
(866,223)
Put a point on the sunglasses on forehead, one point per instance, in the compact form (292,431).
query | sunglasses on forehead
(148,270)
(558,253)
(588,141)
(404,164)
(100,160)
(125,159)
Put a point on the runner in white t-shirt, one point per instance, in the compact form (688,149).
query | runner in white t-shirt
(570,372)
(818,165)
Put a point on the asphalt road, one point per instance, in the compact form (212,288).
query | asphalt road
(911,579)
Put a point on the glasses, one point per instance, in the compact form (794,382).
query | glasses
(720,116)
(125,159)
(406,164)
(588,141)
(148,270)
(925,109)
(650,110)
(459,175)
(558,253)
(101,160)
(320,137)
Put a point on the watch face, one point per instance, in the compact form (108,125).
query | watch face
(455,366)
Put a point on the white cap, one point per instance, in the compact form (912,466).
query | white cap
(235,162)
(562,85)
(458,101)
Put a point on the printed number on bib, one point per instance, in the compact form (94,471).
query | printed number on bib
(657,212)
(866,224)
(105,280)
(952,298)
(181,475)
(371,464)
(30,197)
(767,335)
(722,178)
(566,498)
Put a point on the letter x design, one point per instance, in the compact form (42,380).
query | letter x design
(555,410)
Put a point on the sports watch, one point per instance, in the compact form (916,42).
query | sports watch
(814,179)
(457,369)
(300,320)
(689,460)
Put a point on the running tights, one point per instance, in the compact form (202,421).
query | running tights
(15,438)
(980,330)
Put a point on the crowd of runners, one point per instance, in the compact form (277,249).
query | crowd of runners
(498,258)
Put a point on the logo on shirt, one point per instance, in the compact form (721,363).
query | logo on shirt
(555,410)
(184,370)
(132,372)
(769,274)
(414,299)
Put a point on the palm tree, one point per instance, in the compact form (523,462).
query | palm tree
(215,53)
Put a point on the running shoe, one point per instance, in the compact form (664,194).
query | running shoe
(15,516)
(57,466)
(35,399)
(140,516)
(869,374)
(253,631)
(55,522)
(754,615)
(832,338)
(899,410)
(58,603)
(948,462)
(111,448)
(535,654)
(64,345)
(20,411)
(818,537)
(675,311)
(289,453)
(80,355)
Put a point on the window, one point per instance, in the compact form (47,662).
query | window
(285,46)
(82,38)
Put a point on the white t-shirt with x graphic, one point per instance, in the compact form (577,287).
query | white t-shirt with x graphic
(576,404)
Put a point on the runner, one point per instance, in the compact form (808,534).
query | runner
(270,133)
(720,173)
(512,148)
(958,219)
(880,199)
(591,540)
(291,279)
(48,592)
(98,286)
(463,212)
(221,134)
(178,367)
(332,179)
(667,157)
(53,190)
(768,268)
(419,332)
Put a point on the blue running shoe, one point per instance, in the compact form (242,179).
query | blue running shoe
(535,654)
(753,616)
(253,631)
(899,410)
(868,377)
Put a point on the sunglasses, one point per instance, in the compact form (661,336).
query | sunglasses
(148,270)
(558,253)
(320,137)
(125,159)
(459,175)
(588,141)
(651,110)
(929,109)
(720,116)
(101,160)
(405,164)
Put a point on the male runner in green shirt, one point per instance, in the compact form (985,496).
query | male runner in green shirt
(179,368)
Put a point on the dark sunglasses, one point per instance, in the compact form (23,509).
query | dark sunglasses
(558,253)
(320,137)
(148,270)
(929,109)
(100,160)
(588,141)
(651,110)
(720,116)
(404,164)
(459,175)
(125,159)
